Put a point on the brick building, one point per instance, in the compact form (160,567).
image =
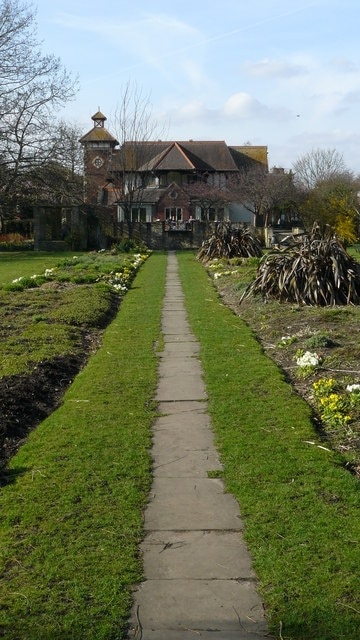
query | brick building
(169,181)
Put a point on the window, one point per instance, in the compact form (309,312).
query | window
(195,178)
(138,214)
(174,213)
(211,214)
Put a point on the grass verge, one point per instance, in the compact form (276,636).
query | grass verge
(72,512)
(300,506)
(14,264)
(291,334)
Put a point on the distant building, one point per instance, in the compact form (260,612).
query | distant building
(174,181)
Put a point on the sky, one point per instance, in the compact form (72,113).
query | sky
(279,73)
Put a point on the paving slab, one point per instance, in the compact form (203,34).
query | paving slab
(189,408)
(174,387)
(184,463)
(180,338)
(202,605)
(198,576)
(170,554)
(191,634)
(174,324)
(188,464)
(184,365)
(183,503)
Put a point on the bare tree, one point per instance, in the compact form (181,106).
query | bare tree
(137,133)
(211,200)
(282,198)
(17,40)
(33,87)
(268,195)
(319,165)
(249,187)
(60,179)
(67,151)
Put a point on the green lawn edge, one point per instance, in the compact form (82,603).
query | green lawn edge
(14,264)
(299,505)
(71,515)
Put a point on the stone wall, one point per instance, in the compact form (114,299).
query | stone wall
(58,229)
(95,228)
(158,235)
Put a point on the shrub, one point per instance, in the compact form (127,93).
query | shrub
(229,242)
(314,271)
(319,340)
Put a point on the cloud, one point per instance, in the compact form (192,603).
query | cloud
(151,35)
(243,105)
(270,68)
(193,111)
(194,74)
(147,44)
(346,141)
(238,107)
(316,86)
(345,65)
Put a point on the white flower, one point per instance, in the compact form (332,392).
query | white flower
(308,359)
(353,387)
(119,287)
(48,272)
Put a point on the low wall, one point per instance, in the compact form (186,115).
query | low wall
(58,228)
(94,228)
(158,235)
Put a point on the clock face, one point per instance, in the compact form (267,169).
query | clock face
(98,162)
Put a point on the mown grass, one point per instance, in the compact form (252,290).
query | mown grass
(300,506)
(46,314)
(37,325)
(14,264)
(71,516)
(286,332)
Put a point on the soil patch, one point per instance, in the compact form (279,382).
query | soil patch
(27,399)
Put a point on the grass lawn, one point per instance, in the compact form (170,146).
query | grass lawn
(71,514)
(14,264)
(299,504)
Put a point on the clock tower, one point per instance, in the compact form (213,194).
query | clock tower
(98,146)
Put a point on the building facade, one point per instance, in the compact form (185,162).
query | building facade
(165,181)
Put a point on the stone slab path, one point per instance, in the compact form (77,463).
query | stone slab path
(199,581)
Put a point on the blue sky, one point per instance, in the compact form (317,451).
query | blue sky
(281,73)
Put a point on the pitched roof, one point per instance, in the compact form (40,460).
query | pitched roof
(177,156)
(209,156)
(98,134)
(98,116)
(249,153)
(172,157)
(152,195)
